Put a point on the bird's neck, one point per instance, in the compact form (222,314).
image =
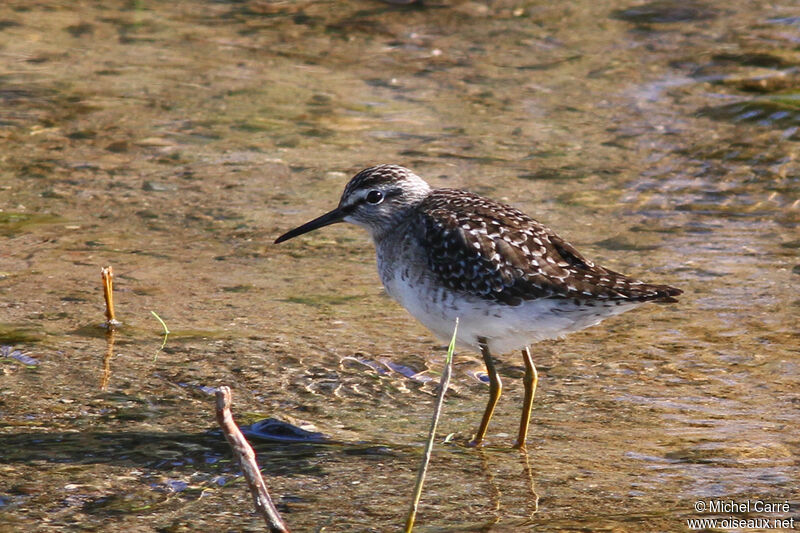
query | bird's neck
(396,225)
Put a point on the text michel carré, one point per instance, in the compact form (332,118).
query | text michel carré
(748,506)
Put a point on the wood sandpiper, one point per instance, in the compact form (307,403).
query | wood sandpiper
(511,281)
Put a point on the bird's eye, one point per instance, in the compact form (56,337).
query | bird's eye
(375,197)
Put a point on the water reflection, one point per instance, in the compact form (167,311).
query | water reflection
(110,338)
(511,495)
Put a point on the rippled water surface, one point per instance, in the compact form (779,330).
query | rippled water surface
(176,140)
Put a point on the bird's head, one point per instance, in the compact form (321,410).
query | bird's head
(377,198)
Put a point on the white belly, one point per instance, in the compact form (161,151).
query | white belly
(505,327)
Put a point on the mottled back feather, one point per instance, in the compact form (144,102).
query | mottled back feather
(494,251)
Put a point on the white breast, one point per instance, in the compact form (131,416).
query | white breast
(407,279)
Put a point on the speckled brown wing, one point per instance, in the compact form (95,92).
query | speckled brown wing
(494,251)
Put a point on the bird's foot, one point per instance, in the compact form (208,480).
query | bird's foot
(475,443)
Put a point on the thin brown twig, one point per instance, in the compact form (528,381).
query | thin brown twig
(107,274)
(247,460)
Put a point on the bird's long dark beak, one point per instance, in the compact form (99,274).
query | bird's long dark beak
(331,217)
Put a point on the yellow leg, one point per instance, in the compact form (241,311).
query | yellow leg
(530,380)
(495,388)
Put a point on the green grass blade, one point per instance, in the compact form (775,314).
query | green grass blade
(166,334)
(437,411)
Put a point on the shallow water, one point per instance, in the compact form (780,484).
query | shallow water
(176,141)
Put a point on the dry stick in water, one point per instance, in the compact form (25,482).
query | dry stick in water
(107,274)
(111,323)
(247,460)
(437,412)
